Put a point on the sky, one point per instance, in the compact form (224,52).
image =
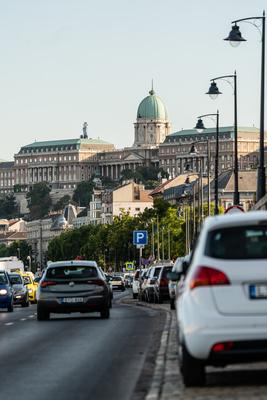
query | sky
(64,62)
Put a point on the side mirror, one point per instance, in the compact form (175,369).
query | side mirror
(174,276)
(37,279)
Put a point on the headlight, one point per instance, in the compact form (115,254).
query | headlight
(3,292)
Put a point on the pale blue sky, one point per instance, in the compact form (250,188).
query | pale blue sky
(64,62)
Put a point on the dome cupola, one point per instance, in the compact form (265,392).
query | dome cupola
(152,107)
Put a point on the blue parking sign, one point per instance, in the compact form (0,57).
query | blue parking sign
(140,238)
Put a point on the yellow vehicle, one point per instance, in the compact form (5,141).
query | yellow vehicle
(28,278)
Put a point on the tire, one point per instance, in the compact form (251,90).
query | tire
(192,369)
(25,304)
(42,314)
(135,295)
(110,303)
(160,300)
(172,304)
(10,308)
(104,313)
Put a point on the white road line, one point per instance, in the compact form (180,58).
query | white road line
(9,323)
(23,319)
(30,316)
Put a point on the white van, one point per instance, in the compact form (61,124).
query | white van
(11,264)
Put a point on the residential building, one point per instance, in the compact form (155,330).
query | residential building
(131,199)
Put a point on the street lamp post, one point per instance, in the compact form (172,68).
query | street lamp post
(213,92)
(200,127)
(235,38)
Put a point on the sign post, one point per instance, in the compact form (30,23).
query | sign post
(140,240)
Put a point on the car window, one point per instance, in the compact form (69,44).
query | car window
(242,242)
(116,278)
(3,278)
(71,272)
(165,271)
(15,279)
(156,272)
(27,280)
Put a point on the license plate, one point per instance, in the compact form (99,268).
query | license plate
(72,300)
(258,291)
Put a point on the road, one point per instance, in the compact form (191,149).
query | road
(74,357)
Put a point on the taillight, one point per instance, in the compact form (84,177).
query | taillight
(224,346)
(44,284)
(163,282)
(207,276)
(97,282)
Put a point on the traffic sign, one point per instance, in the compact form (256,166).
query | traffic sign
(234,209)
(140,237)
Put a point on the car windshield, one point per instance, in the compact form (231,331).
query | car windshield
(165,271)
(27,280)
(3,278)
(71,272)
(116,278)
(242,242)
(15,279)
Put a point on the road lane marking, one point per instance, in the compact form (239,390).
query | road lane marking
(30,316)
(23,319)
(9,323)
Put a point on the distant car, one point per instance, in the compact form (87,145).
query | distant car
(108,279)
(142,278)
(222,303)
(161,285)
(135,284)
(172,284)
(20,290)
(72,286)
(117,283)
(6,292)
(31,284)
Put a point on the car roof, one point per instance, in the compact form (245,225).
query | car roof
(81,263)
(235,219)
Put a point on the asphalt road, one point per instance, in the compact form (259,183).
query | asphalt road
(74,357)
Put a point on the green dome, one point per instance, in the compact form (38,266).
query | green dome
(152,107)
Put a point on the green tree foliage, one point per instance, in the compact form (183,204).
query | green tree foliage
(39,201)
(21,249)
(3,250)
(83,193)
(60,205)
(8,207)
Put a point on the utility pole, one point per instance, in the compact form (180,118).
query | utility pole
(158,238)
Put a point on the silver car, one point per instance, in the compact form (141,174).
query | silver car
(72,286)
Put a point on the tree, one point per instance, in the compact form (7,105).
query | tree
(83,193)
(8,207)
(61,204)
(39,201)
(21,249)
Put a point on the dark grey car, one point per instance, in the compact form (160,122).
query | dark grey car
(72,286)
(20,290)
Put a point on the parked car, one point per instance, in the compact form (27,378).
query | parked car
(6,292)
(149,283)
(177,267)
(142,279)
(108,279)
(161,289)
(135,284)
(117,283)
(20,290)
(72,286)
(222,304)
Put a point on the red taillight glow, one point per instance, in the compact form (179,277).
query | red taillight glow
(44,284)
(225,346)
(207,276)
(97,282)
(163,282)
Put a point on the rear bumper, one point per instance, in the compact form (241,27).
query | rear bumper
(96,303)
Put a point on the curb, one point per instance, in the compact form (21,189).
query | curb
(155,389)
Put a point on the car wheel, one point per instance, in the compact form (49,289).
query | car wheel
(160,300)
(110,303)
(192,369)
(25,304)
(172,304)
(42,314)
(104,313)
(10,308)
(134,295)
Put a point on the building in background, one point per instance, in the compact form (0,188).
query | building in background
(131,199)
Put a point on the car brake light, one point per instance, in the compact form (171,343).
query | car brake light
(225,346)
(97,282)
(163,282)
(207,276)
(44,284)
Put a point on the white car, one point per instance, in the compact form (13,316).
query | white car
(221,303)
(135,284)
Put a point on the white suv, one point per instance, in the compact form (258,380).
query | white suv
(222,301)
